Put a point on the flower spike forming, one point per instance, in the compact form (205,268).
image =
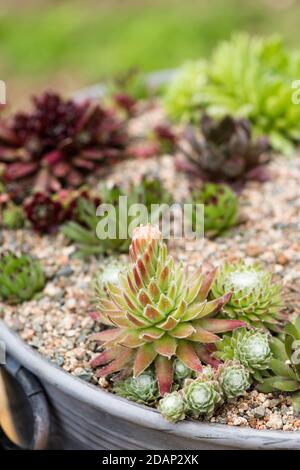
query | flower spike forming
(158,314)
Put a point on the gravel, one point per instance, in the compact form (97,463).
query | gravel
(59,321)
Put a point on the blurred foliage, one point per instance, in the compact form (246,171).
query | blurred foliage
(93,39)
(248,77)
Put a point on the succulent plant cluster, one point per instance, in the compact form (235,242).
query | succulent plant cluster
(202,396)
(223,150)
(247,77)
(21,277)
(284,375)
(220,208)
(255,299)
(157,314)
(58,143)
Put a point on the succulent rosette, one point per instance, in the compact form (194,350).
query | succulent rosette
(142,389)
(220,207)
(202,397)
(59,143)
(255,298)
(109,273)
(21,277)
(234,379)
(181,371)
(223,151)
(157,313)
(13,216)
(172,407)
(44,212)
(250,347)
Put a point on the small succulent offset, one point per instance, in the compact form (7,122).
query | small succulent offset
(250,347)
(202,396)
(220,208)
(234,379)
(181,371)
(21,277)
(109,273)
(223,151)
(255,299)
(44,212)
(13,216)
(285,365)
(59,142)
(157,314)
(142,389)
(172,407)
(150,190)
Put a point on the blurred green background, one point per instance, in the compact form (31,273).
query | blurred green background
(68,44)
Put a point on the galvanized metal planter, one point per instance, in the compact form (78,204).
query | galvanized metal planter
(82,416)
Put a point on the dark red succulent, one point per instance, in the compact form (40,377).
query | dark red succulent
(224,151)
(126,103)
(60,142)
(166,137)
(44,212)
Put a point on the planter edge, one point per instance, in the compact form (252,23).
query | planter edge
(243,438)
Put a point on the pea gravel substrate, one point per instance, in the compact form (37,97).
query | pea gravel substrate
(58,323)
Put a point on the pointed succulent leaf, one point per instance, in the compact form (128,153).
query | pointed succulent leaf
(144,357)
(117,364)
(106,335)
(169,324)
(151,333)
(203,336)
(282,370)
(183,330)
(164,373)
(166,346)
(186,353)
(152,314)
(220,326)
(105,357)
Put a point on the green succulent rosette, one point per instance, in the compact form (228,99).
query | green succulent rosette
(250,347)
(21,277)
(108,273)
(234,379)
(220,208)
(255,299)
(172,407)
(13,217)
(202,397)
(142,389)
(181,371)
